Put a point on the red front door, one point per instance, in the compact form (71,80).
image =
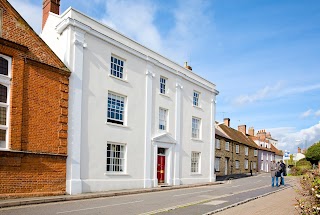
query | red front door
(161,168)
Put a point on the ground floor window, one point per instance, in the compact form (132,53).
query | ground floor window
(237,164)
(217,164)
(246,164)
(254,165)
(115,157)
(195,162)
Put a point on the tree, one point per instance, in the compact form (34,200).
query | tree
(313,153)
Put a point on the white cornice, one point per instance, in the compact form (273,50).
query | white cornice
(64,24)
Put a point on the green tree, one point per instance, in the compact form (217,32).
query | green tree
(313,153)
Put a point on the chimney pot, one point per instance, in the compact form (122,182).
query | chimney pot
(49,6)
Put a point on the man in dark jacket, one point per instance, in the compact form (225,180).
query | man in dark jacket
(283,172)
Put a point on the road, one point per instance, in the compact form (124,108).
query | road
(199,200)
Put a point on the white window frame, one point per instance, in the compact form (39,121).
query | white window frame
(195,162)
(5,80)
(267,156)
(117,161)
(227,146)
(254,165)
(117,67)
(237,164)
(246,150)
(237,149)
(262,156)
(255,152)
(196,97)
(196,128)
(163,119)
(246,164)
(217,164)
(163,85)
(115,109)
(218,143)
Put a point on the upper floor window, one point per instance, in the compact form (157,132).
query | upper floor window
(262,156)
(196,128)
(195,162)
(267,157)
(217,143)
(5,82)
(163,82)
(255,152)
(163,115)
(116,67)
(246,150)
(227,146)
(115,158)
(237,149)
(116,108)
(196,96)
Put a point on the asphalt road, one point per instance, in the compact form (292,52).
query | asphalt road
(199,200)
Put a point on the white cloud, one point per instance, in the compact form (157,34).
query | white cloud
(31,12)
(267,91)
(317,113)
(290,139)
(135,21)
(307,113)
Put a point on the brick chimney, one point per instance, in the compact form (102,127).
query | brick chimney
(226,121)
(262,135)
(49,6)
(299,150)
(242,129)
(251,131)
(187,66)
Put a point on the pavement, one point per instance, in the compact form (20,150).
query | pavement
(281,201)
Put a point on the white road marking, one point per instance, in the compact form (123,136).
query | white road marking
(185,194)
(216,202)
(126,203)
(236,186)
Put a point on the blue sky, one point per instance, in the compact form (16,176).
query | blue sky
(263,56)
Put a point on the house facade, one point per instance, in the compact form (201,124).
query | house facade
(136,118)
(235,152)
(33,111)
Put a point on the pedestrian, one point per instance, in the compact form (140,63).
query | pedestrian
(273,169)
(283,171)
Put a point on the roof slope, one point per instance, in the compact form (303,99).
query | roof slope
(238,136)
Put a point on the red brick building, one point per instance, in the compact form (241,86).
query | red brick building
(34,87)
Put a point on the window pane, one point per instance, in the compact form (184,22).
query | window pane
(3,66)
(3,93)
(3,115)
(2,135)
(116,68)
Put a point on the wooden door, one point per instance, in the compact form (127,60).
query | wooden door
(161,168)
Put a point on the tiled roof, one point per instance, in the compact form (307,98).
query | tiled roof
(260,147)
(220,133)
(277,151)
(238,136)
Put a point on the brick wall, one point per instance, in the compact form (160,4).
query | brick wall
(232,156)
(35,163)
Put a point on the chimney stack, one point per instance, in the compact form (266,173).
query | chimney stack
(226,121)
(299,150)
(251,131)
(187,66)
(49,6)
(242,129)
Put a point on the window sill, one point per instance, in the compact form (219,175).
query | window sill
(116,174)
(117,125)
(195,174)
(198,107)
(218,148)
(165,95)
(120,79)
(197,140)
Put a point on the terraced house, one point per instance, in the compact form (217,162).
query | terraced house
(33,111)
(235,152)
(137,119)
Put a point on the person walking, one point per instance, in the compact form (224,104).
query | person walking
(273,170)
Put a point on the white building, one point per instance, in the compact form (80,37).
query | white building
(136,118)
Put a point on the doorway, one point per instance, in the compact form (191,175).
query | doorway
(161,166)
(226,166)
